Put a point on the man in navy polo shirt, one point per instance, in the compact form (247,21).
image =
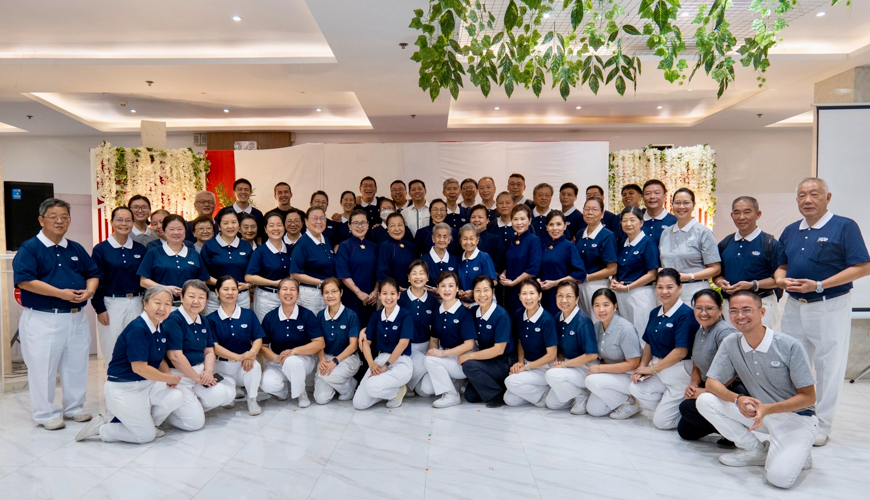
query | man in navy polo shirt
(56,277)
(655,217)
(823,254)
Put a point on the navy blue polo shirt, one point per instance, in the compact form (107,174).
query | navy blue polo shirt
(576,335)
(168,269)
(252,211)
(423,310)
(437,267)
(379,234)
(749,259)
(523,255)
(493,214)
(317,260)
(654,227)
(493,328)
(338,331)
(222,258)
(66,265)
(506,233)
(117,265)
(560,258)
(493,245)
(598,250)
(454,326)
(536,334)
(357,259)
(423,240)
(159,243)
(191,336)
(574,221)
(637,258)
(478,264)
(611,221)
(832,245)
(140,341)
(289,332)
(394,257)
(457,220)
(268,263)
(235,333)
(669,330)
(539,224)
(386,332)
(373,213)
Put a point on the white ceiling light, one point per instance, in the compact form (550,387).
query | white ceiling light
(226,111)
(578,107)
(132,110)
(318,110)
(496,108)
(237,18)
(547,15)
(821,13)
(658,107)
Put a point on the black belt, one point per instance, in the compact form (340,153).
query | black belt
(58,311)
(307,285)
(808,412)
(819,299)
(125,295)
(270,289)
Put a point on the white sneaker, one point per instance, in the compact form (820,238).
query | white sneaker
(303,400)
(746,458)
(397,401)
(92,429)
(579,407)
(240,393)
(808,463)
(821,439)
(159,434)
(447,400)
(626,410)
(542,403)
(80,417)
(253,408)
(350,393)
(54,424)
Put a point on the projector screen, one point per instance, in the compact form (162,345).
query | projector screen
(843,159)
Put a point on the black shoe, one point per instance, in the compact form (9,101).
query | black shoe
(724,443)
(496,402)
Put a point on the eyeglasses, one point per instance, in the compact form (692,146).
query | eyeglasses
(317,219)
(706,310)
(54,218)
(140,209)
(330,293)
(359,224)
(591,210)
(515,184)
(746,311)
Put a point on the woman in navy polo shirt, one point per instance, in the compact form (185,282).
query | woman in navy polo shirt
(339,361)
(539,342)
(347,201)
(313,261)
(118,300)
(560,261)
(636,269)
(474,261)
(355,265)
(396,254)
(487,367)
(268,266)
(423,306)
(597,246)
(238,337)
(488,242)
(249,229)
(438,259)
(501,226)
(578,351)
(293,338)
(140,391)
(190,351)
(523,256)
(665,366)
(294,223)
(227,254)
(423,240)
(172,263)
(390,332)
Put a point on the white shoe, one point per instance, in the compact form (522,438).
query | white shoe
(92,429)
(542,403)
(54,424)
(229,406)
(240,393)
(303,400)
(253,408)
(746,458)
(159,434)
(397,401)
(579,407)
(80,417)
(350,393)
(808,463)
(626,410)
(821,439)
(447,400)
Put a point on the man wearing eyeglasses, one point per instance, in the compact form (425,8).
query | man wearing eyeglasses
(204,204)
(416,215)
(56,277)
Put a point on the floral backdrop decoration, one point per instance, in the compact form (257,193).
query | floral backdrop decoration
(692,167)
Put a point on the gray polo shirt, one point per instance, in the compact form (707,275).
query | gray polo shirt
(773,372)
(707,342)
(619,342)
(690,249)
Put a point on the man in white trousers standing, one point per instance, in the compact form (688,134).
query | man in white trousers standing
(56,277)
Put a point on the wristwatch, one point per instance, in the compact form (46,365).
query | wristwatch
(819,287)
(387,364)
(335,360)
(736,400)
(754,285)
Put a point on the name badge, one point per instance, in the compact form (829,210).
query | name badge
(820,240)
(300,327)
(756,253)
(395,327)
(243,253)
(137,256)
(343,327)
(244,325)
(191,263)
(475,269)
(594,245)
(636,252)
(489,327)
(669,325)
(73,258)
(537,329)
(456,321)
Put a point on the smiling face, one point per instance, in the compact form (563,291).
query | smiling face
(566,299)
(813,199)
(204,204)
(483,294)
(479,219)
(520,222)
(418,277)
(229,225)
(158,307)
(293,224)
(468,240)
(368,189)
(316,221)
(556,228)
(631,225)
(707,312)
(248,229)
(592,212)
(418,192)
(389,295)
(469,191)
(396,228)
(242,192)
(438,212)
(504,204)
(228,292)
(745,313)
(631,198)
(398,192)
(193,301)
(567,198)
(122,222)
(667,291)
(55,222)
(451,192)
(654,197)
(288,293)
(543,197)
(348,201)
(359,226)
(283,195)
(331,294)
(274,227)
(683,206)
(745,216)
(529,296)
(141,210)
(175,232)
(486,188)
(320,202)
(516,187)
(203,232)
(447,289)
(441,238)
(604,309)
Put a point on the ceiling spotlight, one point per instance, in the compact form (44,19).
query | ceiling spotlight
(821,13)
(132,110)
(578,107)
(658,107)
(226,111)
(547,15)
(318,110)
(237,18)
(496,108)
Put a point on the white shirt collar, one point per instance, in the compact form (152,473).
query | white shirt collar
(570,316)
(463,205)
(137,232)
(502,224)
(456,212)
(337,315)
(392,316)
(535,212)
(491,207)
(414,207)
(436,258)
(293,315)
(521,200)
(763,346)
(344,219)
(114,243)
(570,211)
(752,235)
(818,225)
(47,242)
(660,216)
(364,204)
(315,240)
(188,318)
(287,240)
(635,241)
(488,313)
(239,209)
(224,244)
(473,255)
(384,225)
(272,248)
(534,318)
(672,310)
(237,313)
(676,227)
(169,252)
(414,297)
(148,322)
(456,305)
(594,233)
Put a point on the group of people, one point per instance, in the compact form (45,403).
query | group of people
(488,295)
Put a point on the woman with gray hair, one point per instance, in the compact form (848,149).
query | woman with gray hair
(438,258)
(474,262)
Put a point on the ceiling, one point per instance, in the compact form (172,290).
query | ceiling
(79,68)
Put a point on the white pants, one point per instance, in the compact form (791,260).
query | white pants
(663,392)
(586,290)
(198,399)
(264,303)
(526,387)
(232,371)
(791,436)
(311,299)
(635,306)
(49,341)
(824,329)
(418,362)
(122,311)
(689,290)
(339,381)
(772,312)
(442,372)
(294,370)
(213,302)
(565,385)
(609,390)
(140,406)
(383,386)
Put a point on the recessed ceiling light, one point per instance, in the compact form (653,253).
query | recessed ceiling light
(821,13)
(658,107)
(578,107)
(132,110)
(237,18)
(547,15)
(318,110)
(226,111)
(496,108)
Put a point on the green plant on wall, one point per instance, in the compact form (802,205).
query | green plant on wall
(225,197)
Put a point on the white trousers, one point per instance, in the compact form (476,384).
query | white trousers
(791,436)
(264,303)
(121,312)
(418,362)
(565,385)
(232,371)
(311,299)
(772,312)
(442,372)
(586,290)
(383,386)
(213,302)
(198,399)
(339,381)
(49,341)
(140,406)
(526,387)
(663,392)
(609,390)
(635,306)
(824,329)
(689,290)
(294,371)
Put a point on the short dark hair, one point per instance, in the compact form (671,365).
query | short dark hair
(671,273)
(275,189)
(570,284)
(521,207)
(177,218)
(389,282)
(195,222)
(466,181)
(477,207)
(571,186)
(447,275)
(532,282)
(242,180)
(635,211)
(632,187)
(418,262)
(437,200)
(595,200)
(347,192)
(713,294)
(271,214)
(300,213)
(393,216)
(654,182)
(312,209)
(223,279)
(137,197)
(317,193)
(608,293)
(552,215)
(398,181)
(223,213)
(482,278)
(747,293)
(122,207)
(745,199)
(387,200)
(52,203)
(518,176)
(417,181)
(358,211)
(194,283)
(597,187)
(368,178)
(684,190)
(332,280)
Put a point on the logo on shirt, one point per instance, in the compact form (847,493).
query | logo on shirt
(475,269)
(163,340)
(137,256)
(204,330)
(243,253)
(191,263)
(594,245)
(669,325)
(395,327)
(636,252)
(756,253)
(449,268)
(571,333)
(489,327)
(456,321)
(537,329)
(73,258)
(821,239)
(342,327)
(428,311)
(775,364)
(244,325)
(300,327)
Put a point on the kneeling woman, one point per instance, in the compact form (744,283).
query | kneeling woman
(391,331)
(579,349)
(664,373)
(238,338)
(190,350)
(423,306)
(339,361)
(140,390)
(452,335)
(539,342)
(293,338)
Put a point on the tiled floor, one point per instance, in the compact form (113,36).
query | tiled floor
(411,452)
